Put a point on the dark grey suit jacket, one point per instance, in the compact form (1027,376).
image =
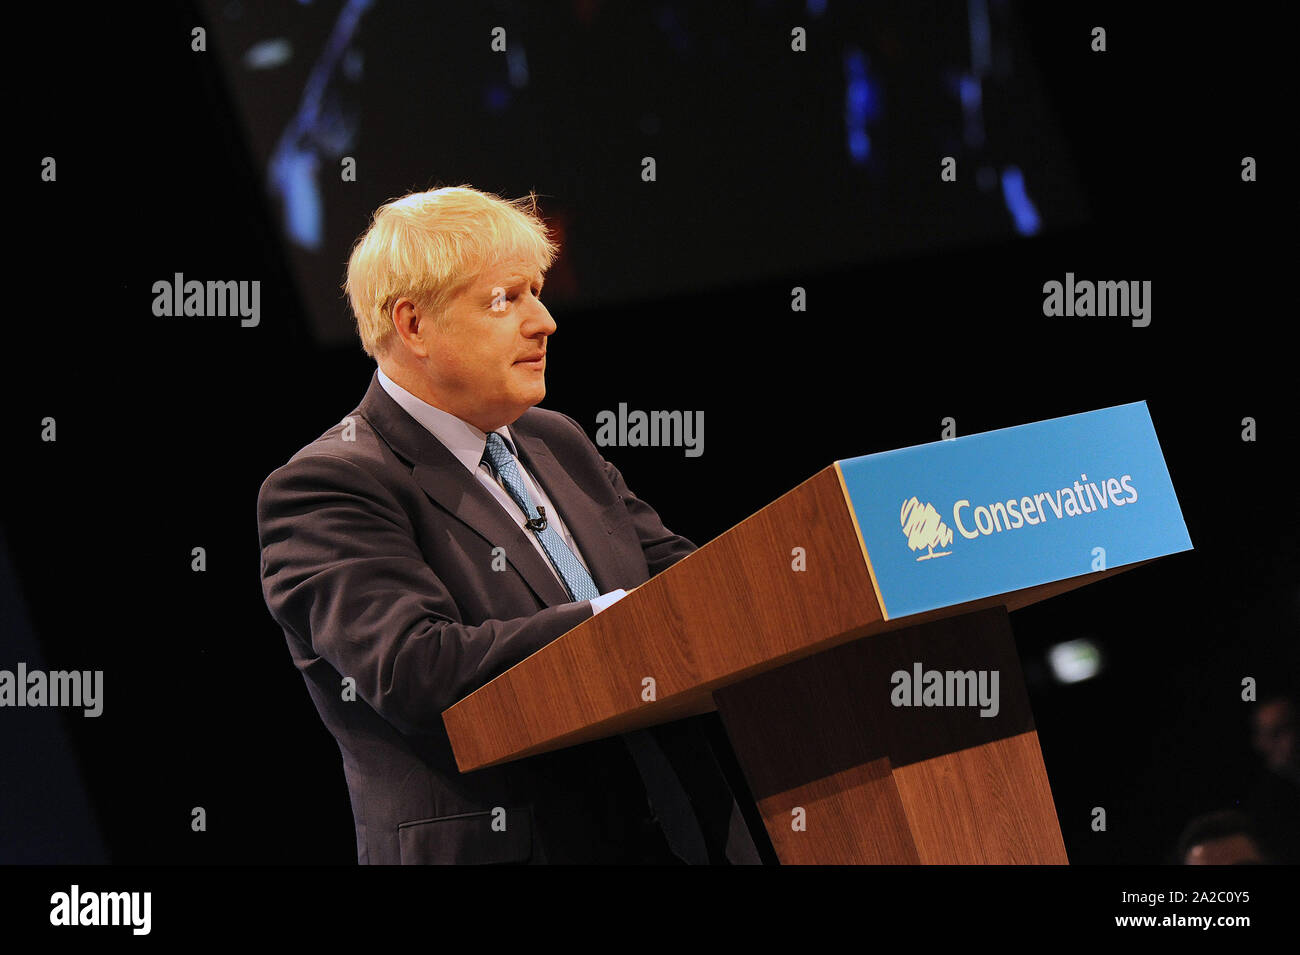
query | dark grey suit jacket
(377,562)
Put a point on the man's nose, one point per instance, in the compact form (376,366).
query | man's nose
(539,321)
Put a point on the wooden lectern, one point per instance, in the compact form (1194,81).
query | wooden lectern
(798,664)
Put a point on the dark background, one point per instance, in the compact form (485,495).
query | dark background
(678,298)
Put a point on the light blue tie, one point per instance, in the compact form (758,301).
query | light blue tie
(668,799)
(575,576)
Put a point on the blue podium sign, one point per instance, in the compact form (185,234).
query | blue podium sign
(986,514)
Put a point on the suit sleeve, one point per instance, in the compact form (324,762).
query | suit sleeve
(662,548)
(342,571)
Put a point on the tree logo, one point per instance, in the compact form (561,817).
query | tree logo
(923,528)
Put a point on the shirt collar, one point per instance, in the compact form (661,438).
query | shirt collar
(461,438)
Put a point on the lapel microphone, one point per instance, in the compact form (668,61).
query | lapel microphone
(537,523)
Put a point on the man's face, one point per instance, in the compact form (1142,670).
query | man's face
(1237,849)
(479,359)
(1275,735)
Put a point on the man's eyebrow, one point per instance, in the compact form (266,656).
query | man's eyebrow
(514,280)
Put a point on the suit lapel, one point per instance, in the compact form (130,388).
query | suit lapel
(451,485)
(454,488)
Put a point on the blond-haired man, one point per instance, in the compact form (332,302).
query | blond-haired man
(380,559)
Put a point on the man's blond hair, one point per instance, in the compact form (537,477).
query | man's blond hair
(426,246)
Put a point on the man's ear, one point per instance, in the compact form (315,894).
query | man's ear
(412,326)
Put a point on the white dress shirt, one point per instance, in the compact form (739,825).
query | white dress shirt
(467,443)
